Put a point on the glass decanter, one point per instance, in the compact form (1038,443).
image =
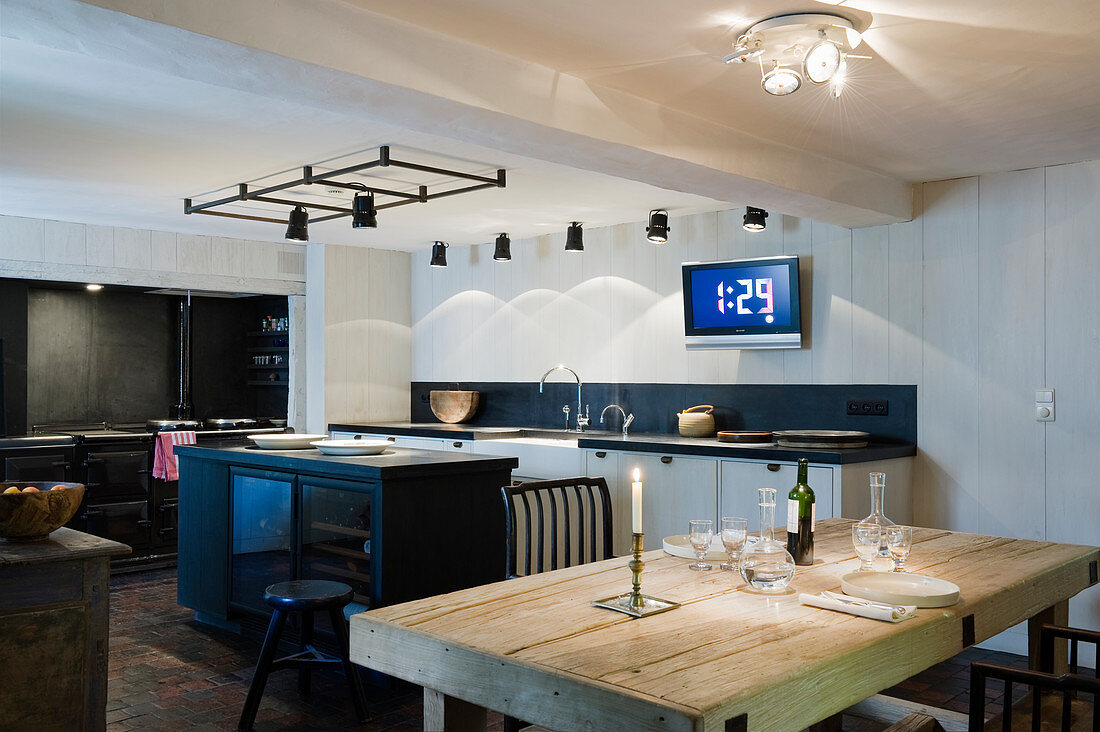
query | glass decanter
(766,564)
(878,494)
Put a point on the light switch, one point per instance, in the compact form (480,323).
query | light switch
(1044,405)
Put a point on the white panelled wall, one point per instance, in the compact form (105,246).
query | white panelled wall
(987,295)
(358,320)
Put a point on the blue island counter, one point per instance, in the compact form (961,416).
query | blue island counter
(395,527)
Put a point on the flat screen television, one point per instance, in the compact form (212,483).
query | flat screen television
(742,303)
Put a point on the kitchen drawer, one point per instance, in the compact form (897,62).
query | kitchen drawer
(542,459)
(740,480)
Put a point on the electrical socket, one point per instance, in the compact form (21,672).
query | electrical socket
(868,407)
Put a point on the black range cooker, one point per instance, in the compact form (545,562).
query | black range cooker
(122,499)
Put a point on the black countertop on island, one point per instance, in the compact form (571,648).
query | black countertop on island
(395,462)
(672,444)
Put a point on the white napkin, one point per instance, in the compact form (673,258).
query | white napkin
(861,607)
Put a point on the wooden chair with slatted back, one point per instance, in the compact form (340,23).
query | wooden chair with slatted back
(1043,709)
(553,524)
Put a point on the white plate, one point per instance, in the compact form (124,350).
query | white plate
(352,447)
(679,546)
(900,588)
(285,441)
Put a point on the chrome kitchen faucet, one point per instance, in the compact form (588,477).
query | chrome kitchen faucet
(582,419)
(627,419)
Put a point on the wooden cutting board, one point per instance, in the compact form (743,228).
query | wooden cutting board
(744,437)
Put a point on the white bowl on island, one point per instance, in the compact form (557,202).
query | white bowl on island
(352,447)
(285,441)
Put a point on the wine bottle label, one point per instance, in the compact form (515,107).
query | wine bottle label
(813,517)
(792,516)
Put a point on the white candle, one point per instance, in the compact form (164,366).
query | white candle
(636,501)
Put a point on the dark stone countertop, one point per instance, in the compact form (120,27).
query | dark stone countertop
(63,545)
(395,462)
(670,444)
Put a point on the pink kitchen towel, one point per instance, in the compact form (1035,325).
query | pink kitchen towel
(165,463)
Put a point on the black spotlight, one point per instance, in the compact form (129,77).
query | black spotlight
(363,215)
(754,219)
(439,254)
(298,225)
(657,230)
(503,250)
(574,238)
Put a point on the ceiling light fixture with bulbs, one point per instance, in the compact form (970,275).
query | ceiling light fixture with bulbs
(803,46)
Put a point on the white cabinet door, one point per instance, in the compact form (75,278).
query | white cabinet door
(740,480)
(605,464)
(420,443)
(675,490)
(538,459)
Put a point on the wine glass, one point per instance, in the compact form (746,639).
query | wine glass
(700,534)
(899,540)
(735,531)
(866,538)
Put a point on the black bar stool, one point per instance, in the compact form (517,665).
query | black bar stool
(306,597)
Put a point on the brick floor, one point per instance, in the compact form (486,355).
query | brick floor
(168,672)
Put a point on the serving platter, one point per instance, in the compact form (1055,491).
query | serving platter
(285,441)
(352,447)
(678,545)
(900,588)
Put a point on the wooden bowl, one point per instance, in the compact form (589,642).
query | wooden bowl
(454,406)
(32,516)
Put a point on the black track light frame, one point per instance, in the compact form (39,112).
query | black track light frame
(754,219)
(502,251)
(574,238)
(657,231)
(329,178)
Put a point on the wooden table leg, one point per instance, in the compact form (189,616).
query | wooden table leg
(1058,614)
(444,713)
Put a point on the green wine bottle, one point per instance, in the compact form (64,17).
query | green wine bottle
(801,517)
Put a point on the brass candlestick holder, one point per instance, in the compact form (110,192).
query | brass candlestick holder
(635,603)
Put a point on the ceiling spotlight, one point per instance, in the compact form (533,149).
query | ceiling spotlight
(754,219)
(781,81)
(503,250)
(657,230)
(298,226)
(574,238)
(439,254)
(822,61)
(363,213)
(792,47)
(91,287)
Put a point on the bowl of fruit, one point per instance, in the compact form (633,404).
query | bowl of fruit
(30,510)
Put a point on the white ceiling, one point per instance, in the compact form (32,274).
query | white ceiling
(117,128)
(92,141)
(953,88)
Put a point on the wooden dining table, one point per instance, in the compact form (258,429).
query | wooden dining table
(730,658)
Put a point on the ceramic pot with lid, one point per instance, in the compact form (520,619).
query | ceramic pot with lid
(696,424)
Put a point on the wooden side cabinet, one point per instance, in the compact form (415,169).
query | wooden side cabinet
(53,632)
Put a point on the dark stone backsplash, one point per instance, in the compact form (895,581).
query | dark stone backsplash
(736,406)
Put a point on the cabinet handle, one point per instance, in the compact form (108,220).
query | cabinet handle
(457,444)
(601,455)
(774,467)
(666,459)
(392,439)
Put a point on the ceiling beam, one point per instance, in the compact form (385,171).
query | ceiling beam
(333,56)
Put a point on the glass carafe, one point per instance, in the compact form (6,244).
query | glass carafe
(766,564)
(878,493)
